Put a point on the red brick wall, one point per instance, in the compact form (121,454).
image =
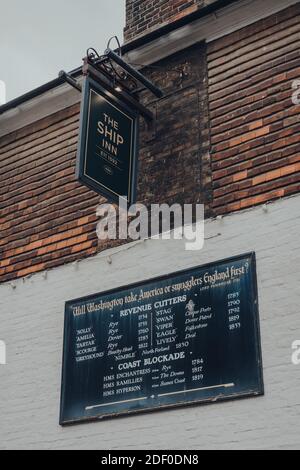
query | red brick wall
(45,215)
(144,16)
(255,127)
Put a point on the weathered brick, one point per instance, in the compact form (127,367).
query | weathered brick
(159,13)
(254,124)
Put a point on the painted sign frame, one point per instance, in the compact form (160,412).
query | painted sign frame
(102,178)
(248,392)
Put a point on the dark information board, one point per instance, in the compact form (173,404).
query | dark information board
(185,338)
(107,150)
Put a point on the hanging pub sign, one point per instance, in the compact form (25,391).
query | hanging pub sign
(185,338)
(107,150)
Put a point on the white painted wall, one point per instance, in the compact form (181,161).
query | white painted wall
(31,317)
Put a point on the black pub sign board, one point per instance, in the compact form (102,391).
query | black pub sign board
(107,149)
(185,338)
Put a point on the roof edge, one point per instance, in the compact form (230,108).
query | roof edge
(167,28)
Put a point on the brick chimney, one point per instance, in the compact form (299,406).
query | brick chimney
(145,16)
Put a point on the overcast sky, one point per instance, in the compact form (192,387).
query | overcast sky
(38,38)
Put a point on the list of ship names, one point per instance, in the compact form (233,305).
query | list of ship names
(181,339)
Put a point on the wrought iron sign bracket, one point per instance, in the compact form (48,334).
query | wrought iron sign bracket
(121,79)
(70,80)
(101,77)
(135,74)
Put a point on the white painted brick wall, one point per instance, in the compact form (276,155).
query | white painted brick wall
(31,324)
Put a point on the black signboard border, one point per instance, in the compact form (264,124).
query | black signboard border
(89,85)
(197,402)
